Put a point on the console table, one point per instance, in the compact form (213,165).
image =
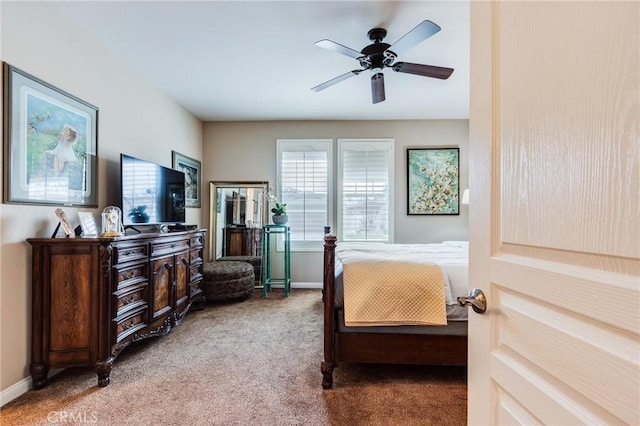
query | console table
(92,297)
(267,279)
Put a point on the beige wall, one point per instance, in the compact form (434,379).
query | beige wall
(246,151)
(134,117)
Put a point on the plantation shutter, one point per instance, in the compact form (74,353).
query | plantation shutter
(303,172)
(366,181)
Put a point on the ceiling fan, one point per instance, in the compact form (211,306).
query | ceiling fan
(379,55)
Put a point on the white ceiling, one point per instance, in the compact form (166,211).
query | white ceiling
(256,60)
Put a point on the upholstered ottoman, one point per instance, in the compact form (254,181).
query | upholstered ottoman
(255,261)
(228,280)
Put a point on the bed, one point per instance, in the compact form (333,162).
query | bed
(393,342)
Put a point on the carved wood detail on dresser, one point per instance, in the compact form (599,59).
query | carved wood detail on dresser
(92,297)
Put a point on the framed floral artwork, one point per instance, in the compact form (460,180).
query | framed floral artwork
(433,176)
(50,144)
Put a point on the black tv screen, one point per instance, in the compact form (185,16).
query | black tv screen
(150,193)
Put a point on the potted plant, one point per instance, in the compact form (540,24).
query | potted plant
(138,214)
(279,211)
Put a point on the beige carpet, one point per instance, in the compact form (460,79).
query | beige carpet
(250,363)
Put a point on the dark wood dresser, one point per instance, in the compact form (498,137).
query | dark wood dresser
(92,297)
(242,241)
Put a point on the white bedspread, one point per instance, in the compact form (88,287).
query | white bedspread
(452,256)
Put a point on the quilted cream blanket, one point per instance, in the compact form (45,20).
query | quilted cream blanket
(382,292)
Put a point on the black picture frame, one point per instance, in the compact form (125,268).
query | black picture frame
(433,181)
(192,172)
(50,143)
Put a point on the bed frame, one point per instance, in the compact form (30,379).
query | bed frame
(355,345)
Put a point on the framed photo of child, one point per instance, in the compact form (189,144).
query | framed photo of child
(50,147)
(69,231)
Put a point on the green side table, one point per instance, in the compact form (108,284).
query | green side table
(267,279)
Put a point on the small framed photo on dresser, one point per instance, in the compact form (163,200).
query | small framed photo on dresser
(88,224)
(64,222)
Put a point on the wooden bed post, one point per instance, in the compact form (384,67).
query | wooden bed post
(328,293)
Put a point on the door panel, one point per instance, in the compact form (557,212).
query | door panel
(182,278)
(162,285)
(554,223)
(517,383)
(583,291)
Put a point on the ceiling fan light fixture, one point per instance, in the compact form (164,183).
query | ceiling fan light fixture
(389,57)
(377,86)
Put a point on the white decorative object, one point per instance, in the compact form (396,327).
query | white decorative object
(465,197)
(88,224)
(112,222)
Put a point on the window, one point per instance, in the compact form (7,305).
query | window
(304,185)
(365,187)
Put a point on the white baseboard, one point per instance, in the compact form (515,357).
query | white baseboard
(14,391)
(306,285)
(297,285)
(22,387)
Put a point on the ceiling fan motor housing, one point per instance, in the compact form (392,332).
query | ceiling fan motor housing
(377,34)
(375,57)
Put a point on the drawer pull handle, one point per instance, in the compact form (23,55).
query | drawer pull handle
(128,324)
(126,300)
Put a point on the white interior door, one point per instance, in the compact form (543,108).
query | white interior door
(555,212)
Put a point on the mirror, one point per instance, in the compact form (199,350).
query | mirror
(237,212)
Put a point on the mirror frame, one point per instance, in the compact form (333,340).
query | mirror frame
(213,203)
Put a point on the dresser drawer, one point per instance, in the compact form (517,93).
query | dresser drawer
(131,322)
(170,247)
(128,275)
(195,273)
(130,252)
(197,241)
(196,257)
(195,288)
(130,298)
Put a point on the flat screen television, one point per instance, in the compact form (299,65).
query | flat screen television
(150,193)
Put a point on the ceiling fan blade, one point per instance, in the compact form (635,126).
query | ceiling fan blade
(337,47)
(419,33)
(377,87)
(423,70)
(335,80)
